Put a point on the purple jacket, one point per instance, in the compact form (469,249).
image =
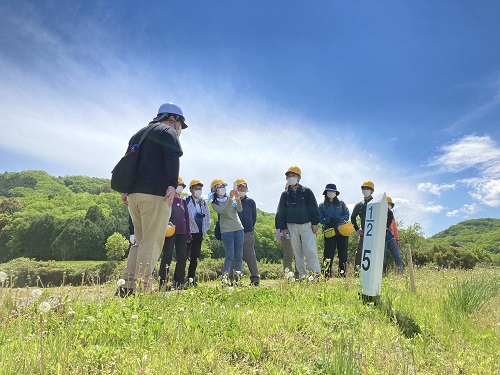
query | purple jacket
(180,216)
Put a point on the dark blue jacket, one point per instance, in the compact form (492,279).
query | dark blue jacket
(333,214)
(248,216)
(298,207)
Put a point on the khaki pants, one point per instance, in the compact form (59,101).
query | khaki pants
(304,246)
(150,215)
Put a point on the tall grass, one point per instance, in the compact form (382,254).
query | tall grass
(471,294)
(282,327)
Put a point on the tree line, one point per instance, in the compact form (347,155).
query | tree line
(79,218)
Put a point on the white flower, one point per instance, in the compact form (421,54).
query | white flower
(287,270)
(222,307)
(181,309)
(192,293)
(160,318)
(71,313)
(190,280)
(3,277)
(230,288)
(203,303)
(311,278)
(249,312)
(236,306)
(120,282)
(91,319)
(289,274)
(44,307)
(134,317)
(36,293)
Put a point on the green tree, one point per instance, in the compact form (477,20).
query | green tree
(10,206)
(116,246)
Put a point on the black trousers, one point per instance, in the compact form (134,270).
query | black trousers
(338,243)
(194,252)
(179,241)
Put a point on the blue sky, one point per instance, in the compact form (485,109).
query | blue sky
(403,93)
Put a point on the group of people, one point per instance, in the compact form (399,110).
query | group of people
(156,205)
(297,220)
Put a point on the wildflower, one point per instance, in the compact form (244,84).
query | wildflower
(249,312)
(230,288)
(203,303)
(289,274)
(120,282)
(236,306)
(160,318)
(190,280)
(222,307)
(287,270)
(71,313)
(181,309)
(134,317)
(44,307)
(3,277)
(192,293)
(310,278)
(36,293)
(91,319)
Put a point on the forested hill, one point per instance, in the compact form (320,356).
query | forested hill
(70,218)
(483,232)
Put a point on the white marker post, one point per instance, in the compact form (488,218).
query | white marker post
(372,261)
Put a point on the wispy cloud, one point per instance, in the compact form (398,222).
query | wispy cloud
(472,151)
(435,189)
(465,212)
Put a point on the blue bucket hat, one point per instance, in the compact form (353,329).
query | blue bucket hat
(331,187)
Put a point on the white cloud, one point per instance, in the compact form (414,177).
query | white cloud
(471,151)
(435,189)
(466,211)
(488,192)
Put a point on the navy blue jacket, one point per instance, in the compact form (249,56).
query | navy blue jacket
(248,216)
(298,207)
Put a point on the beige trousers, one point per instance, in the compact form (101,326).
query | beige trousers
(150,215)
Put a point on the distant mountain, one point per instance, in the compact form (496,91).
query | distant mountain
(484,232)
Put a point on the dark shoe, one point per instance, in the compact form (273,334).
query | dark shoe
(179,286)
(124,292)
(254,283)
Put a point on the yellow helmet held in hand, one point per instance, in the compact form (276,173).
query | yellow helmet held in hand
(346,229)
(194,183)
(216,182)
(368,184)
(294,169)
(170,230)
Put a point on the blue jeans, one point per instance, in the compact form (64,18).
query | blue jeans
(233,246)
(391,246)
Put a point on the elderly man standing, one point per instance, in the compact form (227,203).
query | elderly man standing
(150,197)
(298,217)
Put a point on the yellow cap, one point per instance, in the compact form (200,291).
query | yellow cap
(389,200)
(240,181)
(294,169)
(194,183)
(368,184)
(180,182)
(216,182)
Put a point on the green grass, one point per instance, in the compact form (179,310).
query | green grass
(281,327)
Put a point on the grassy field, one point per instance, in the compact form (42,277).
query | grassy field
(450,326)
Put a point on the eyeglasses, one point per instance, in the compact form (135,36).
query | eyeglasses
(176,117)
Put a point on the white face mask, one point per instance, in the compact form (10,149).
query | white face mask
(366,192)
(221,192)
(197,193)
(331,194)
(292,180)
(179,131)
(179,189)
(242,194)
